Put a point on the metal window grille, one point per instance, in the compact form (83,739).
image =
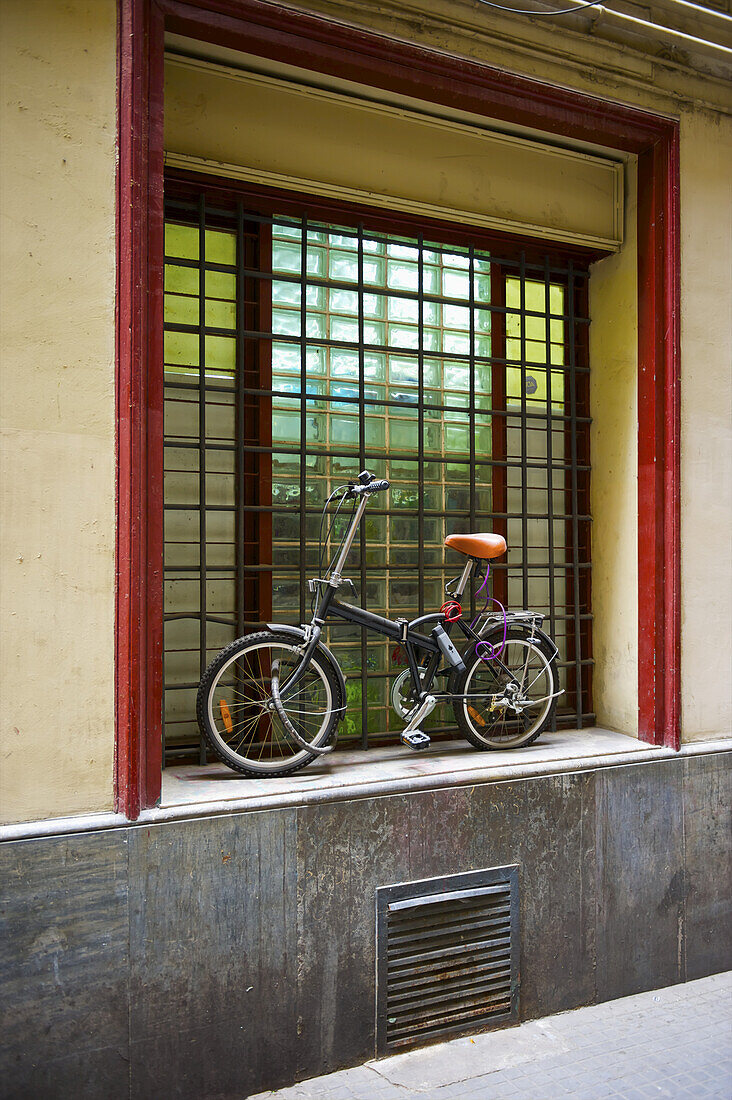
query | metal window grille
(298,351)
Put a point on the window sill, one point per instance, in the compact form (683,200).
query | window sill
(193,792)
(214,788)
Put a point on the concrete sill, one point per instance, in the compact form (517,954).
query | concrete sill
(193,792)
(398,770)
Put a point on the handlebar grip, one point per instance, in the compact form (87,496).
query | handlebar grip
(378,486)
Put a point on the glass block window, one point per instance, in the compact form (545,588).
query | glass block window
(456,370)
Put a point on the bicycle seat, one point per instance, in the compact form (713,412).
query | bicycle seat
(477,546)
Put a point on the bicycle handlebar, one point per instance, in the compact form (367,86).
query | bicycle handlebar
(367,484)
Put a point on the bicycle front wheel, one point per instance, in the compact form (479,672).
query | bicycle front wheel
(507,705)
(236,714)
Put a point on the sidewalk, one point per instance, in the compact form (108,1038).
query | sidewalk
(674,1042)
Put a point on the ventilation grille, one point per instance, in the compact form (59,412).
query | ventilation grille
(446,956)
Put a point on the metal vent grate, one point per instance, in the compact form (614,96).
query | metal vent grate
(447,956)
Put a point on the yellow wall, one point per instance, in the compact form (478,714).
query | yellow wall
(57,393)
(614,483)
(706,433)
(57,407)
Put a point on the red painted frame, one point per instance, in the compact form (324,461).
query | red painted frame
(300,38)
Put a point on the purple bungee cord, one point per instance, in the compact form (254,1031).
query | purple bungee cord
(485,650)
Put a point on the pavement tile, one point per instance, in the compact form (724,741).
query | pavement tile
(668,1044)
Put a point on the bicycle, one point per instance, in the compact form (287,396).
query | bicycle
(271,701)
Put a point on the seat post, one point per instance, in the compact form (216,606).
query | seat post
(465,576)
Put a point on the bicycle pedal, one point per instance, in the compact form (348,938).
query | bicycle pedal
(415,740)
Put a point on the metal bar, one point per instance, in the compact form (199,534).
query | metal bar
(549,461)
(362,464)
(203,648)
(524,455)
(303,407)
(471,415)
(239,428)
(420,425)
(575,524)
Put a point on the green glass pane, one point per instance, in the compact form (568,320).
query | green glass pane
(344,241)
(181,241)
(221,284)
(285,357)
(374,367)
(220,314)
(316,297)
(288,231)
(556,299)
(535,328)
(482,346)
(457,376)
(220,247)
(374,306)
(456,343)
(316,326)
(344,431)
(220,353)
(403,309)
(374,333)
(403,369)
(402,276)
(483,441)
(181,348)
(286,293)
(374,271)
(344,267)
(345,301)
(343,364)
(457,471)
(534,295)
(455,284)
(482,320)
(316,429)
(316,261)
(456,317)
(183,280)
(433,438)
(341,328)
(482,288)
(286,256)
(403,336)
(285,427)
(375,432)
(180,310)
(403,435)
(432,279)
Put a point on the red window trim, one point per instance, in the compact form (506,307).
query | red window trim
(299,38)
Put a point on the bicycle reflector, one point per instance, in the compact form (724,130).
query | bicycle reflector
(475,716)
(226,715)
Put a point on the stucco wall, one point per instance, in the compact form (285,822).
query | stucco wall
(706,428)
(57,393)
(614,484)
(57,406)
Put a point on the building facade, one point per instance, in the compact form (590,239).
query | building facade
(249,248)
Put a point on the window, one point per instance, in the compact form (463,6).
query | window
(299,349)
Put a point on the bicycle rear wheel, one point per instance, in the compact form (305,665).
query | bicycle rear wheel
(235,712)
(486,721)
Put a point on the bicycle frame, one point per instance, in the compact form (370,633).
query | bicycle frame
(400,630)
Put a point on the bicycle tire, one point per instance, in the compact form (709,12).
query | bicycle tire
(257,743)
(498,730)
